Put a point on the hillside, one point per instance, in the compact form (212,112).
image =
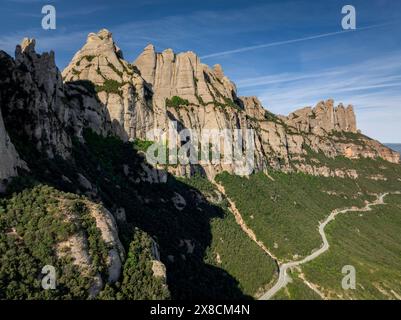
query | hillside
(79,193)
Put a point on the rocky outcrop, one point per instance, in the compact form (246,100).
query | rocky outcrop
(324,116)
(158,267)
(29,93)
(204,99)
(106,223)
(119,85)
(253,108)
(40,109)
(179,88)
(9,158)
(106,93)
(364,147)
(77,246)
(183,75)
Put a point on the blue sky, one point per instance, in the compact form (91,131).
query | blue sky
(268,48)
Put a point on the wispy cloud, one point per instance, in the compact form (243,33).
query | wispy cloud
(280,43)
(372,86)
(301,87)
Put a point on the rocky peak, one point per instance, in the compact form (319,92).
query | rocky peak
(41,66)
(141,101)
(324,116)
(253,108)
(183,75)
(105,34)
(39,108)
(31,86)
(28,45)
(119,85)
(98,60)
(218,71)
(106,93)
(149,47)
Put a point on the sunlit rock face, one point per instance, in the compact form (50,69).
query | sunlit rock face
(119,85)
(324,116)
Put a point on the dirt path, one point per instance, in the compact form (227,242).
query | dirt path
(241,222)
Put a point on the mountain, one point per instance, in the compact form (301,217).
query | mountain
(138,97)
(80,194)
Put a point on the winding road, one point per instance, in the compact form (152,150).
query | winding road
(283,276)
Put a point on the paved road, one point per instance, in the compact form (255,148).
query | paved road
(283,276)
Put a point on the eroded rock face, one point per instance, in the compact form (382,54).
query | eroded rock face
(185,76)
(278,140)
(211,99)
(365,147)
(29,94)
(42,110)
(131,100)
(119,85)
(9,158)
(77,247)
(323,116)
(106,223)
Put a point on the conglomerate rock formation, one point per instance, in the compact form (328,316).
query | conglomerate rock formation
(100,90)
(44,114)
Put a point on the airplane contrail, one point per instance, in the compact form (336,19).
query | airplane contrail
(279,43)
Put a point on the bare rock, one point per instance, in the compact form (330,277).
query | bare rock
(121,89)
(9,158)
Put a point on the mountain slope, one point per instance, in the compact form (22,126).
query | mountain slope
(160,88)
(141,232)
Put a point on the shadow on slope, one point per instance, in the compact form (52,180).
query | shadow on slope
(176,215)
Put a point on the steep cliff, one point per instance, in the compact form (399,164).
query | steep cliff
(325,116)
(110,95)
(119,85)
(184,75)
(9,158)
(40,109)
(170,232)
(160,88)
